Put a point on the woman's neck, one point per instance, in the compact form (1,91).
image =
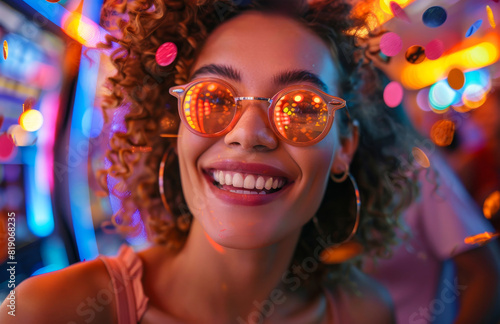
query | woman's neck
(224,284)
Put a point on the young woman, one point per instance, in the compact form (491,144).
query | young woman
(259,182)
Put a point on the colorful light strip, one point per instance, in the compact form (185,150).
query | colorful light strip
(426,73)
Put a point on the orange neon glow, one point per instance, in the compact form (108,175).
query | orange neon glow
(81,29)
(471,58)
(298,98)
(481,238)
(217,247)
(491,205)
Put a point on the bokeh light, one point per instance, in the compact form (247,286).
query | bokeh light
(442,132)
(21,136)
(491,205)
(423,99)
(31,120)
(474,96)
(441,95)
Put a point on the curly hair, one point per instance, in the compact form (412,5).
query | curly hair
(381,165)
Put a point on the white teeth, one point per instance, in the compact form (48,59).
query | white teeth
(249,182)
(229,179)
(238,180)
(259,184)
(275,183)
(269,184)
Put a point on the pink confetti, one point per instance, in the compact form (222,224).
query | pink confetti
(434,49)
(398,12)
(393,94)
(7,147)
(390,44)
(166,54)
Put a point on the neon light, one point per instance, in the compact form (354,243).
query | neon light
(428,72)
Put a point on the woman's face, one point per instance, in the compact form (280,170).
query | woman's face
(258,54)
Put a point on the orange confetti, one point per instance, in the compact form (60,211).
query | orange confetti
(456,79)
(491,205)
(481,238)
(5,50)
(491,18)
(420,157)
(341,253)
(442,132)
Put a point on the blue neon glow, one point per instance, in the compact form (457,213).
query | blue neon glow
(79,190)
(39,214)
(441,95)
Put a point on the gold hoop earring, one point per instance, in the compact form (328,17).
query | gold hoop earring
(166,156)
(343,176)
(339,252)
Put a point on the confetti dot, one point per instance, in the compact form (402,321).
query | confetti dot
(53,1)
(420,157)
(7,147)
(5,49)
(393,94)
(473,28)
(398,12)
(491,18)
(480,239)
(434,17)
(166,54)
(442,132)
(390,44)
(434,49)
(491,205)
(415,54)
(456,79)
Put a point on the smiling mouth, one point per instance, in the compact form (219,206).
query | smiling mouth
(246,183)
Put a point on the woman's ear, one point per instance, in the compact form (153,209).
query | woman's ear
(348,146)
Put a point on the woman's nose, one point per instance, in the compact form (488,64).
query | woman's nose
(252,131)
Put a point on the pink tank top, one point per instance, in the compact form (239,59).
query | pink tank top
(126,270)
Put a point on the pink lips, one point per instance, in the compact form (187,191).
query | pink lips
(254,168)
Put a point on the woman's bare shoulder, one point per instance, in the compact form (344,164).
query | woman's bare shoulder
(366,300)
(81,293)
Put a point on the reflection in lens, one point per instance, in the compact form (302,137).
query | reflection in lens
(209,107)
(300,116)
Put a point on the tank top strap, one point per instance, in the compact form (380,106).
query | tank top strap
(126,271)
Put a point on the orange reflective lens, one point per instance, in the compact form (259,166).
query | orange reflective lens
(300,116)
(208,107)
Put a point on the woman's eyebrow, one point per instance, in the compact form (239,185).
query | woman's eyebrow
(297,76)
(283,78)
(225,71)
